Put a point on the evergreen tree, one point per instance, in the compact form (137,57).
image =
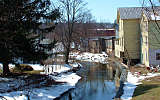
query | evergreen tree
(21,22)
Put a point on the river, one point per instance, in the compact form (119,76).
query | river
(99,82)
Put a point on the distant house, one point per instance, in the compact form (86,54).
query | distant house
(101,40)
(136,35)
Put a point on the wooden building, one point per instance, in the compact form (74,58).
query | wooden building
(101,40)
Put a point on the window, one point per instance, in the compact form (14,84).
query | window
(157,56)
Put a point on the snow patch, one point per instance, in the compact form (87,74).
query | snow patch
(155,17)
(46,93)
(132,82)
(91,57)
(71,78)
(37,66)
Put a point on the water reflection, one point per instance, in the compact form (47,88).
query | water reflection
(97,83)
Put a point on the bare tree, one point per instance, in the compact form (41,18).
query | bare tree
(153,12)
(72,13)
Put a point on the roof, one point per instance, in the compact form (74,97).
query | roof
(136,12)
(130,12)
(152,15)
(101,32)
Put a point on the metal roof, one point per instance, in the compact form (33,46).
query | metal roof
(136,12)
(130,12)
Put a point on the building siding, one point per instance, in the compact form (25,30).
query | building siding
(139,38)
(118,43)
(154,42)
(152,57)
(132,38)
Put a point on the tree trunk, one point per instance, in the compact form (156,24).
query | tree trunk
(6,70)
(67,52)
(67,56)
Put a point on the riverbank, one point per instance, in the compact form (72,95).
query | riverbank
(90,57)
(58,79)
(141,83)
(46,87)
(137,82)
(148,90)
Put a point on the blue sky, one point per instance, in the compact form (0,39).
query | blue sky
(106,10)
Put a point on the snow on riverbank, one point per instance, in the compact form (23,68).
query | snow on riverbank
(71,78)
(34,66)
(50,69)
(132,82)
(91,57)
(47,93)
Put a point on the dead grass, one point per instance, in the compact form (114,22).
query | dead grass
(33,72)
(149,90)
(25,69)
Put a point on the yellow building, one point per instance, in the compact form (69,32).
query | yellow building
(127,45)
(134,41)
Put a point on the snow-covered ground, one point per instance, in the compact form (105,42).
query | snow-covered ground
(50,69)
(46,93)
(34,66)
(51,92)
(132,82)
(91,57)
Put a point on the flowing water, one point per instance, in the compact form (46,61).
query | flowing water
(99,82)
